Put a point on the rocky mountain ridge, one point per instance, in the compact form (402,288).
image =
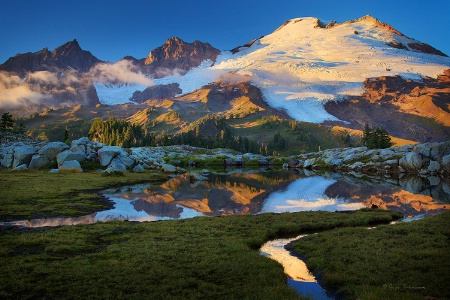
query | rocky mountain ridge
(67,56)
(334,74)
(177,54)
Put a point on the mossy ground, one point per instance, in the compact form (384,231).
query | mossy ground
(39,194)
(200,258)
(401,261)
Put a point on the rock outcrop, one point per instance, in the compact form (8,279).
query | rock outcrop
(430,159)
(157,92)
(177,54)
(416,110)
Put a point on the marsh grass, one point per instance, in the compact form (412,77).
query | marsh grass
(200,258)
(401,261)
(40,194)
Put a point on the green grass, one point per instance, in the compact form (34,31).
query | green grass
(200,258)
(39,194)
(402,261)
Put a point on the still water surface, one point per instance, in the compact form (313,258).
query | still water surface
(251,193)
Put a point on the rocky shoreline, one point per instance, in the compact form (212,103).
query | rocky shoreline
(429,159)
(19,152)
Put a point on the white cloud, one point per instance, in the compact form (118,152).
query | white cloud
(121,71)
(14,93)
(44,77)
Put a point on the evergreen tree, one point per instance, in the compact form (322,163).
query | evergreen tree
(21,129)
(7,122)
(377,138)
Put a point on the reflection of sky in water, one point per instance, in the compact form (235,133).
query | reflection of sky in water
(124,210)
(177,199)
(299,277)
(307,194)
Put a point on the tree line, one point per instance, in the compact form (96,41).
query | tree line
(7,123)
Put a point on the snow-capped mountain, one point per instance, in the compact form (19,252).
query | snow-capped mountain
(334,74)
(303,64)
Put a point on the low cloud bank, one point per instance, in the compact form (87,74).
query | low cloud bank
(123,71)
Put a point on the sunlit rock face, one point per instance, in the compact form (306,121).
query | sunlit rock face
(177,54)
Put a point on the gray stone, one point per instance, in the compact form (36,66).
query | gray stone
(81,141)
(194,176)
(168,168)
(116,165)
(128,162)
(107,153)
(54,171)
(8,158)
(23,155)
(71,166)
(411,162)
(445,162)
(434,180)
(138,169)
(21,167)
(386,153)
(309,163)
(73,153)
(434,167)
(412,184)
(292,163)
(51,150)
(38,161)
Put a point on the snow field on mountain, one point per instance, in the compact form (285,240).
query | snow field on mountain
(112,94)
(304,66)
(300,66)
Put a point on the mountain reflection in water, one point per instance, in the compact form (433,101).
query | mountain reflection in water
(254,193)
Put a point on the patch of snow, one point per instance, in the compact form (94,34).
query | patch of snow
(112,94)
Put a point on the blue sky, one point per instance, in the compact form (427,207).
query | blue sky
(112,29)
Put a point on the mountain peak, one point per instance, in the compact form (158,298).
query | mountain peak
(368,19)
(178,54)
(68,55)
(69,48)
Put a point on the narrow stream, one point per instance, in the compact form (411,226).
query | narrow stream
(299,277)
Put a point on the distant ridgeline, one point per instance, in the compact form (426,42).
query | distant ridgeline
(215,132)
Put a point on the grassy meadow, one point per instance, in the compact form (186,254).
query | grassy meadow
(204,257)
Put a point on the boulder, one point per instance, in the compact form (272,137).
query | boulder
(51,150)
(433,167)
(412,184)
(445,162)
(21,167)
(128,162)
(73,153)
(71,166)
(116,165)
(81,142)
(411,162)
(38,161)
(292,163)
(138,169)
(194,176)
(8,158)
(107,153)
(23,155)
(168,168)
(309,163)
